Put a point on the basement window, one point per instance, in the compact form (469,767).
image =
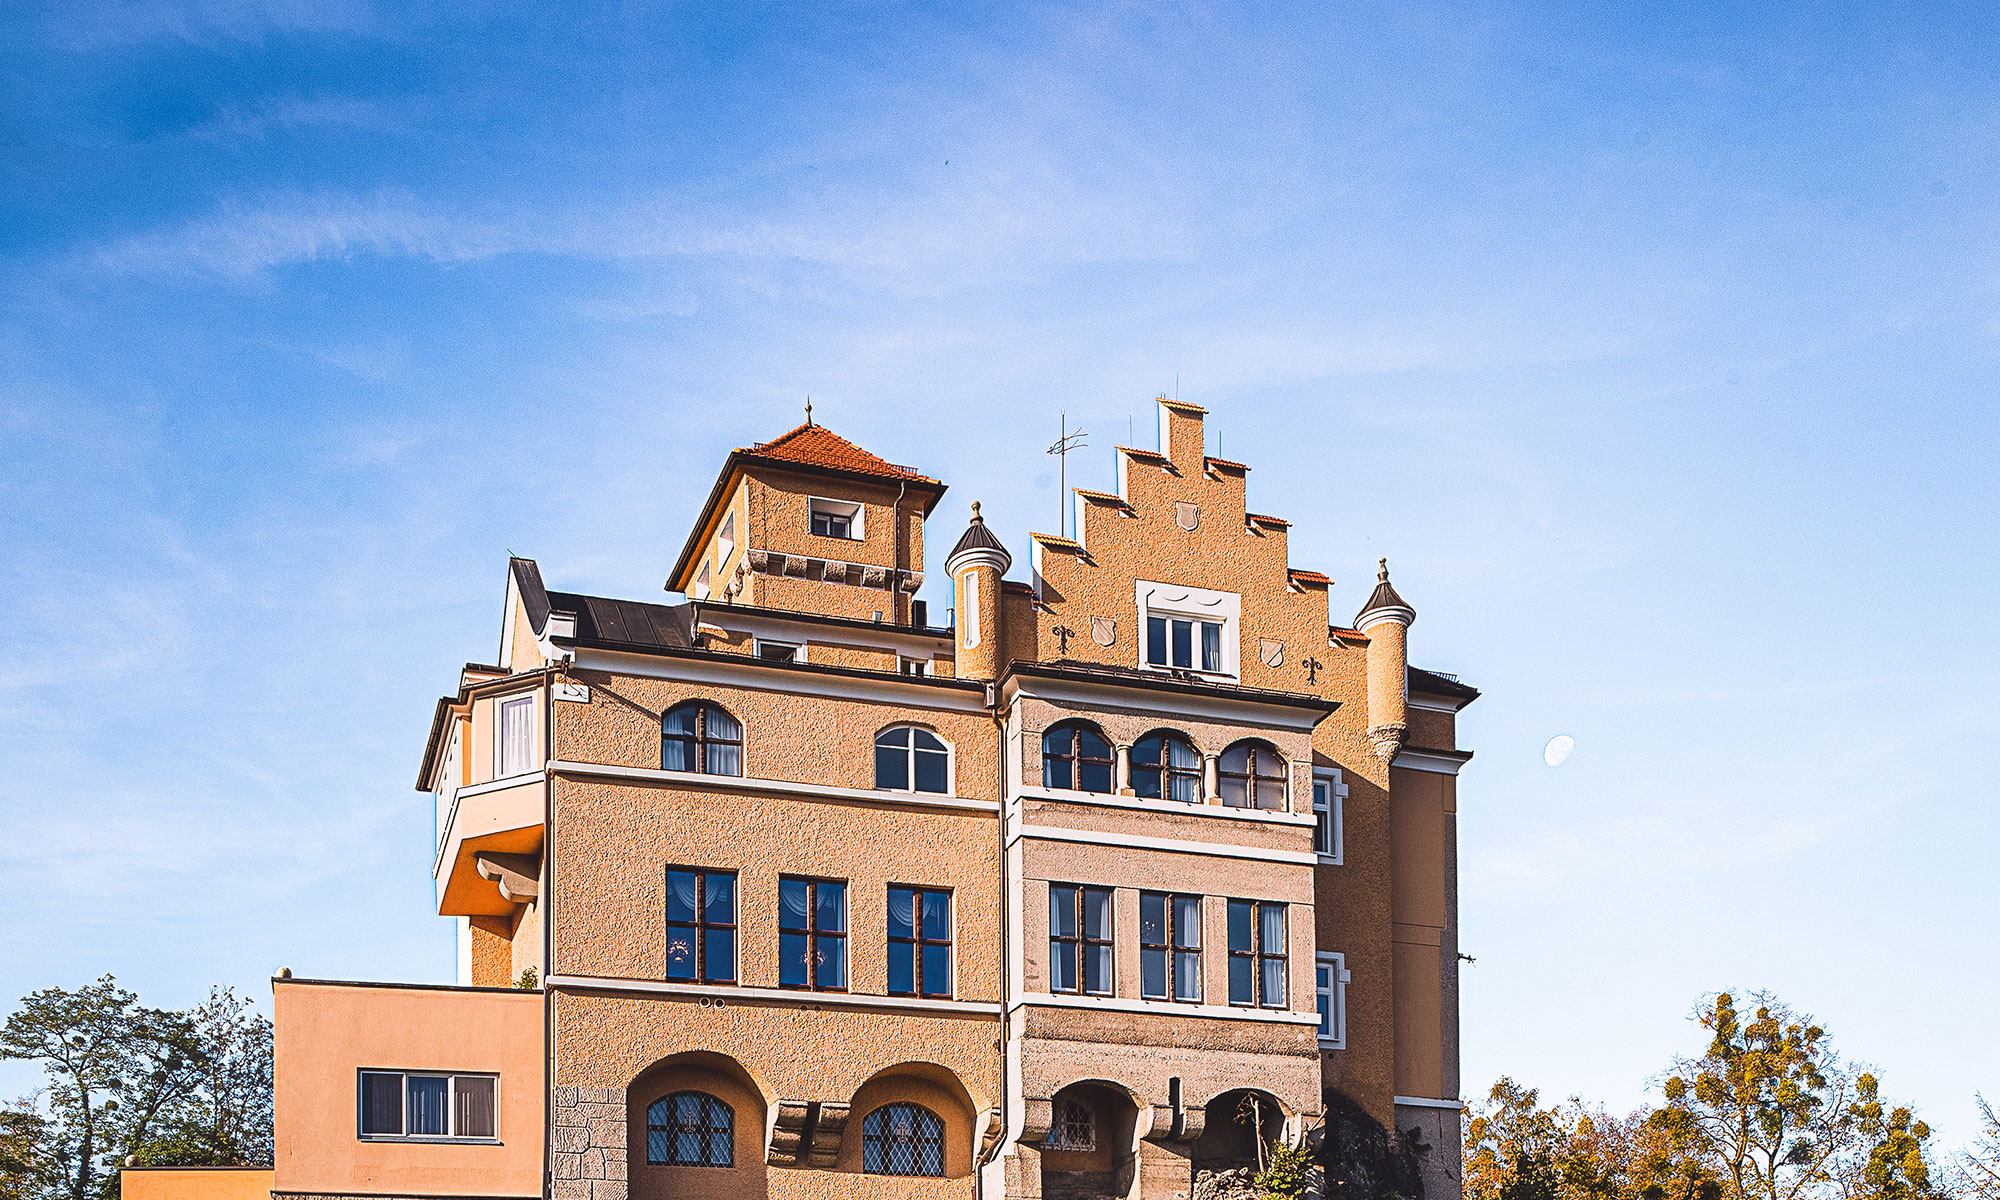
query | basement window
(836,518)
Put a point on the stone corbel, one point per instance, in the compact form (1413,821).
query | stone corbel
(912,580)
(1037,1116)
(1387,740)
(874,576)
(1162,1127)
(795,564)
(989,1137)
(788,1133)
(828,1124)
(519,875)
(760,561)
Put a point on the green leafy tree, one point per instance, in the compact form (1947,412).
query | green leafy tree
(23,1166)
(1891,1160)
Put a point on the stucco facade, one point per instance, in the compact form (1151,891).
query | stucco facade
(1095,885)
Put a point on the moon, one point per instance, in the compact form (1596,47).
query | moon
(1556,753)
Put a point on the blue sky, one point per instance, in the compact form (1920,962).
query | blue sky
(1658,349)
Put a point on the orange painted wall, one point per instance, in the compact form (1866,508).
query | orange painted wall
(194,1183)
(327,1033)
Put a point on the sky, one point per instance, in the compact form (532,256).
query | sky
(1656,346)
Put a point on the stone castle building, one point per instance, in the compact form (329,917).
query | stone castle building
(1123,867)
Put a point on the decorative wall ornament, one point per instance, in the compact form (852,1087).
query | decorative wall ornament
(1186,515)
(1063,634)
(1272,653)
(1103,630)
(1313,667)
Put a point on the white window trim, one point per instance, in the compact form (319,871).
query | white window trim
(950,780)
(1336,993)
(757,647)
(451,1107)
(1175,600)
(702,586)
(926,666)
(855,512)
(500,705)
(725,540)
(1337,800)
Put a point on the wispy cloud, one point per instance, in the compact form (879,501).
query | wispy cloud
(290,114)
(200,22)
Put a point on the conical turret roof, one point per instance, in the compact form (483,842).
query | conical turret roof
(1385,600)
(978,537)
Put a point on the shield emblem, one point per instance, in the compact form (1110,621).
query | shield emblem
(1273,653)
(1103,630)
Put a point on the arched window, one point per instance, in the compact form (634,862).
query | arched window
(1166,765)
(1076,756)
(690,1129)
(698,736)
(1252,776)
(909,759)
(902,1139)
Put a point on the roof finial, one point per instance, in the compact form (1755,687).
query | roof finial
(809,410)
(1382,576)
(976,518)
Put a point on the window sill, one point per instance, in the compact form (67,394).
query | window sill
(423,1140)
(1198,673)
(1167,1008)
(804,791)
(1110,800)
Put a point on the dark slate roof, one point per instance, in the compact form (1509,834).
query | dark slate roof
(1437,683)
(977,537)
(1185,683)
(1384,595)
(630,622)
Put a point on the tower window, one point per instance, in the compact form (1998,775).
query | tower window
(835,518)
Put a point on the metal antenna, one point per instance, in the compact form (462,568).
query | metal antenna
(1064,444)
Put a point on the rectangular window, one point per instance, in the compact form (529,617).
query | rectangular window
(517,735)
(1328,792)
(836,519)
(1330,985)
(913,666)
(701,926)
(1172,642)
(812,934)
(1080,939)
(1257,953)
(779,651)
(919,941)
(399,1104)
(1169,946)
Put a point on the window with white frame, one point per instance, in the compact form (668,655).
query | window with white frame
(1329,794)
(1187,629)
(726,540)
(517,736)
(836,518)
(701,582)
(784,652)
(1330,983)
(912,759)
(428,1104)
(913,666)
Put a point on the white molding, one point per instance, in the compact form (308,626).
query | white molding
(1429,704)
(782,787)
(978,556)
(751,675)
(799,996)
(1399,613)
(1166,1008)
(779,628)
(1169,807)
(857,521)
(1341,978)
(1151,596)
(1091,837)
(1421,1102)
(1418,760)
(1337,802)
(1164,706)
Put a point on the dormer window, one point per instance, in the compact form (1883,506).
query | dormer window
(1188,628)
(1184,643)
(835,518)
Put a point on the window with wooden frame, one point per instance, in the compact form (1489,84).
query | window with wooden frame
(701,926)
(690,1129)
(1080,935)
(1166,766)
(812,934)
(699,736)
(428,1104)
(1252,775)
(1076,757)
(1257,953)
(1169,946)
(919,941)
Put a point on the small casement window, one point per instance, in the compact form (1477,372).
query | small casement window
(1076,757)
(902,1139)
(919,941)
(397,1104)
(1256,953)
(1252,775)
(701,584)
(1072,1127)
(517,735)
(1330,986)
(1328,792)
(784,652)
(1169,946)
(913,666)
(812,934)
(698,736)
(690,1129)
(836,518)
(701,926)
(1079,939)
(1183,643)
(909,759)
(1166,765)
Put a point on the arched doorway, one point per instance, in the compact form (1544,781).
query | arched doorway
(1239,1128)
(1089,1152)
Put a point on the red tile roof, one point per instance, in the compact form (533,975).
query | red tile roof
(1261,519)
(818,446)
(1106,497)
(1183,405)
(1312,578)
(1155,455)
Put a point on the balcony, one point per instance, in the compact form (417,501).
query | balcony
(488,844)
